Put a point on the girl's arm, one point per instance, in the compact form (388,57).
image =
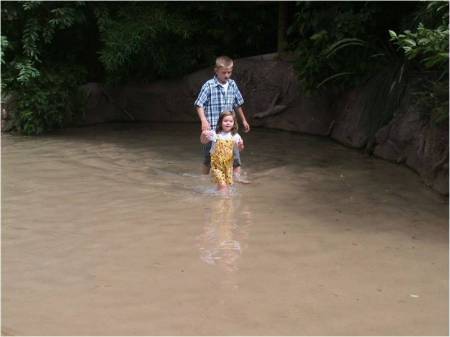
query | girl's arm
(239,142)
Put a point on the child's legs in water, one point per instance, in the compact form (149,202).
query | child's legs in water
(237,167)
(222,187)
(219,177)
(236,161)
(206,148)
(226,178)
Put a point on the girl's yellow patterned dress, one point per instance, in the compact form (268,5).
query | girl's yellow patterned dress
(222,162)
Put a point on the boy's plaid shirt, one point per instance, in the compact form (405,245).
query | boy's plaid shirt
(213,99)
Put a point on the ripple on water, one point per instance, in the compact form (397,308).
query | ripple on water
(124,214)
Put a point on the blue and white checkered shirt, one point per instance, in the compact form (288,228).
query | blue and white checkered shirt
(214,100)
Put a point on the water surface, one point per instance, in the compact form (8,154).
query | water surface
(112,230)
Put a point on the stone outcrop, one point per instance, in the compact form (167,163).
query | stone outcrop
(270,89)
(8,105)
(418,144)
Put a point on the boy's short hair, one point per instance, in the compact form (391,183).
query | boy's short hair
(224,62)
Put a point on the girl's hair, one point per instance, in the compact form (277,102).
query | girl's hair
(224,62)
(235,127)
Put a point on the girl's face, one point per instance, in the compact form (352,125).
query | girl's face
(227,123)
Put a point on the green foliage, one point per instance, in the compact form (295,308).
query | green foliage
(45,102)
(431,97)
(135,40)
(41,85)
(431,13)
(311,62)
(144,41)
(344,44)
(330,43)
(26,72)
(435,102)
(428,50)
(428,45)
(3,45)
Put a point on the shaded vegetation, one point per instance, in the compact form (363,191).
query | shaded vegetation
(344,44)
(48,49)
(40,46)
(426,51)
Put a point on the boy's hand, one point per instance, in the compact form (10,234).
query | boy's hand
(207,133)
(204,136)
(246,126)
(205,126)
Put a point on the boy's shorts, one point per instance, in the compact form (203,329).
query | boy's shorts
(207,155)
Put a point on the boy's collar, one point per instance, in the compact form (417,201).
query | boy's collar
(216,80)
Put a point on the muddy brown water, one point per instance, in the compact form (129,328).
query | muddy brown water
(112,230)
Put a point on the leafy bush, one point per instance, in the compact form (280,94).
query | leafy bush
(344,44)
(144,41)
(432,100)
(135,41)
(331,45)
(430,46)
(40,83)
(46,102)
(428,50)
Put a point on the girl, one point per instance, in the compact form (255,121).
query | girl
(224,140)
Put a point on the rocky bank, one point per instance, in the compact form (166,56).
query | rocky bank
(273,99)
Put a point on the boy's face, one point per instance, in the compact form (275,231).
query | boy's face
(223,74)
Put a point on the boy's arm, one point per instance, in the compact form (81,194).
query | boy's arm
(238,101)
(203,120)
(200,102)
(243,119)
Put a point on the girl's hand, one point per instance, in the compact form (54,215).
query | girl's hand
(207,133)
(240,145)
(205,136)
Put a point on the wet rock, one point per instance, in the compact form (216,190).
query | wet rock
(102,105)
(7,107)
(274,99)
(348,128)
(269,86)
(417,143)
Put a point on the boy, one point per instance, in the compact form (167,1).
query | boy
(217,95)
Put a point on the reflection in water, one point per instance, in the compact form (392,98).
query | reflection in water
(225,228)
